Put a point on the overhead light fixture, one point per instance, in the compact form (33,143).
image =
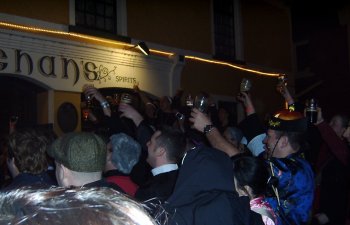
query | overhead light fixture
(143,48)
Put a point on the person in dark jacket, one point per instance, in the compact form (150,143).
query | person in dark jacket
(165,149)
(204,192)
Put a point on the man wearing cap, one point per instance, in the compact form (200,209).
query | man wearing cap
(293,190)
(80,158)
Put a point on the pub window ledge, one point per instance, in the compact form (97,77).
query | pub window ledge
(101,34)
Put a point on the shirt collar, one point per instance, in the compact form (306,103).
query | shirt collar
(164,169)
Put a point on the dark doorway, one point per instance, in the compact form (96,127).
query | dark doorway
(18,97)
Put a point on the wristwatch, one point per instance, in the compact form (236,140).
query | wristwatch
(208,128)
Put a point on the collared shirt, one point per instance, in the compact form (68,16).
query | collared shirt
(164,169)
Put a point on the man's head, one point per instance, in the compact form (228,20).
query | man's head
(339,124)
(28,148)
(80,158)
(285,133)
(166,146)
(71,206)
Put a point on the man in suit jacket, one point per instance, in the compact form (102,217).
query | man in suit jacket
(165,149)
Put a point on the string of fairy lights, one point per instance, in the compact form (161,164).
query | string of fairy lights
(127,45)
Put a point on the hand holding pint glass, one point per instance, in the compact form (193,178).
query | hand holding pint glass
(88,94)
(281,84)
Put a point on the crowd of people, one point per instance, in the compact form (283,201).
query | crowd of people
(164,162)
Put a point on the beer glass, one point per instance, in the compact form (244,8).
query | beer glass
(201,103)
(245,85)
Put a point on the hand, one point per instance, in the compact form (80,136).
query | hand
(199,120)
(247,102)
(282,88)
(129,112)
(319,116)
(92,91)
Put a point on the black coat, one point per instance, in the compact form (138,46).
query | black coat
(160,186)
(204,193)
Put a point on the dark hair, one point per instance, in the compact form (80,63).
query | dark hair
(28,147)
(296,139)
(174,142)
(251,171)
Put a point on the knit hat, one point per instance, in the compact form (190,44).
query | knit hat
(126,152)
(80,152)
(286,120)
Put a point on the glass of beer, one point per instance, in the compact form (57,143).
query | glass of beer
(126,98)
(201,103)
(245,85)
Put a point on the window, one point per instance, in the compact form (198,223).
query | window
(224,30)
(98,15)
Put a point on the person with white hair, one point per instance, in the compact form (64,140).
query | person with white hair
(78,206)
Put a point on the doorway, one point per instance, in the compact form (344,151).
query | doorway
(18,97)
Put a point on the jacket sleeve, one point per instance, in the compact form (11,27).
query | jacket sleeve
(338,147)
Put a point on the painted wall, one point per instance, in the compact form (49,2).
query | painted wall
(55,11)
(182,24)
(220,80)
(267,35)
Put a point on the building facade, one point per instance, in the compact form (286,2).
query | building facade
(59,46)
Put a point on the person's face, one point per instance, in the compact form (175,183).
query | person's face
(152,147)
(272,143)
(336,125)
(346,134)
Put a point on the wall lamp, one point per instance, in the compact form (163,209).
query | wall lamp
(143,47)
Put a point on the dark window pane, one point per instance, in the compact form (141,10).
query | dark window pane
(100,22)
(100,9)
(224,29)
(79,18)
(109,25)
(109,11)
(79,5)
(90,20)
(96,14)
(90,6)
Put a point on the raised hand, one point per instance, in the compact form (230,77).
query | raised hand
(130,112)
